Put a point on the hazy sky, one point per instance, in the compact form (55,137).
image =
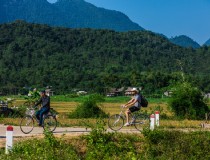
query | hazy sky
(169,17)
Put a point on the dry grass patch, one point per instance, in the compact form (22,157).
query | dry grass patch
(10,121)
(180,123)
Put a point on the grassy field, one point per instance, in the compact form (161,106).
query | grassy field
(64,105)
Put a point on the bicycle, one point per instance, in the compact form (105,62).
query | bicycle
(139,120)
(27,122)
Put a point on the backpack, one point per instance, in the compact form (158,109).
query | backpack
(144,102)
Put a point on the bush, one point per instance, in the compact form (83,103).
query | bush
(187,102)
(7,112)
(176,145)
(103,145)
(99,144)
(32,97)
(39,149)
(89,108)
(19,111)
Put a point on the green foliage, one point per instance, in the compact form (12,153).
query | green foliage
(102,145)
(71,95)
(187,102)
(177,145)
(68,98)
(32,97)
(19,111)
(89,108)
(99,144)
(7,113)
(39,149)
(93,60)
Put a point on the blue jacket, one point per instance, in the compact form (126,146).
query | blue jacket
(45,101)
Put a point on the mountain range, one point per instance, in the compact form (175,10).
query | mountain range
(65,13)
(75,14)
(207,43)
(184,41)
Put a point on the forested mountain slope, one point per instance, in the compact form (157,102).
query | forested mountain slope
(39,55)
(65,13)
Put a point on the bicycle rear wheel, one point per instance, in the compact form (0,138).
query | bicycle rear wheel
(27,124)
(115,122)
(50,123)
(141,122)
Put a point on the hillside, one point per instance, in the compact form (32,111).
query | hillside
(65,13)
(207,43)
(39,55)
(184,41)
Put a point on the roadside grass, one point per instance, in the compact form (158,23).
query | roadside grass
(164,124)
(157,144)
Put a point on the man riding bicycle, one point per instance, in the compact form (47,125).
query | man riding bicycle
(45,101)
(135,104)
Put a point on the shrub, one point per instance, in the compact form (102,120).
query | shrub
(19,111)
(106,145)
(99,144)
(73,95)
(89,108)
(32,97)
(176,145)
(40,149)
(187,102)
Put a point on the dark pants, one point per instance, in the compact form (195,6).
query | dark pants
(40,113)
(134,109)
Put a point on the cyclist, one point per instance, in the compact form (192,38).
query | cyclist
(45,101)
(134,104)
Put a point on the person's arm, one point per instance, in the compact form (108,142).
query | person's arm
(130,100)
(130,103)
(39,102)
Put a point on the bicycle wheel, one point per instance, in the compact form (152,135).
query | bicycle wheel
(141,121)
(50,123)
(27,124)
(115,122)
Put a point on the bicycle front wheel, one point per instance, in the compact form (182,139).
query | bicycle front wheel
(115,122)
(27,124)
(50,123)
(141,122)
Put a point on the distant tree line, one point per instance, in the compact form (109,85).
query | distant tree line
(33,55)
